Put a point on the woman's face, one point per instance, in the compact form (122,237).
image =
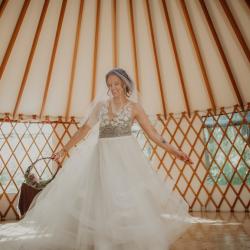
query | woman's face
(115,84)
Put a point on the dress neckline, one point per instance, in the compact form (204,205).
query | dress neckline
(115,114)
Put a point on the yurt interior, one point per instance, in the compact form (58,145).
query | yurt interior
(190,62)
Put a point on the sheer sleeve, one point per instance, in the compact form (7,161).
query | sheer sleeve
(94,115)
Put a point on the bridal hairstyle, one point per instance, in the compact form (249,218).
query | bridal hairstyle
(128,84)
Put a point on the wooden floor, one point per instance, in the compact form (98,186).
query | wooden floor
(222,231)
(227,231)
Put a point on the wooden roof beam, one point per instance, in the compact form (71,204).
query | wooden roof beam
(13,37)
(198,54)
(177,60)
(152,35)
(135,59)
(31,55)
(114,22)
(52,59)
(235,28)
(3,6)
(222,53)
(73,65)
(95,52)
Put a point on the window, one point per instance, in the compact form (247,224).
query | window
(227,154)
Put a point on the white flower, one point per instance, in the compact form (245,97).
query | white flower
(121,122)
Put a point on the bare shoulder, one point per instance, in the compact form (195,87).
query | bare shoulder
(137,108)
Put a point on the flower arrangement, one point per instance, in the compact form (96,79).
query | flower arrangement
(34,181)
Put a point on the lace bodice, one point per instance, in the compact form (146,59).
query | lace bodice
(119,125)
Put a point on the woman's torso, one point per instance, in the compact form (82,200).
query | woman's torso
(118,124)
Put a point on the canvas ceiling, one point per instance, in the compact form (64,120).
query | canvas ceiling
(183,55)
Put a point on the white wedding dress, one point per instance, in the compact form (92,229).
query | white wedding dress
(106,197)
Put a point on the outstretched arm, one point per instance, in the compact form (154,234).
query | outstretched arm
(80,133)
(152,133)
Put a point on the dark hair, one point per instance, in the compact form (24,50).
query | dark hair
(121,73)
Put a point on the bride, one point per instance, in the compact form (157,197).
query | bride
(107,196)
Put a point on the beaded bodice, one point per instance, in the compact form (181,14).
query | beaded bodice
(119,125)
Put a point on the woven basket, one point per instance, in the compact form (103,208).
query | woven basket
(32,186)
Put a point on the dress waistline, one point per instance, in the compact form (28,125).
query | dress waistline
(115,137)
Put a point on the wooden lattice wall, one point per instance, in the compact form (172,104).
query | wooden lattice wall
(217,143)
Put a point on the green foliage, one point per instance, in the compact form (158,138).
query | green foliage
(227,153)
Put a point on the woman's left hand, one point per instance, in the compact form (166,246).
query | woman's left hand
(183,156)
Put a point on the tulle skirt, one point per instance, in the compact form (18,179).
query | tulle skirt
(106,197)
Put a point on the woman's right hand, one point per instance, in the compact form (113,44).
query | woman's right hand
(58,155)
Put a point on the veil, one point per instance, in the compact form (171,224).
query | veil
(92,110)
(91,117)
